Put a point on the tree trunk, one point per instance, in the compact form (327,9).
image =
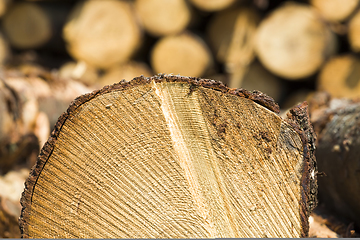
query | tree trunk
(293,41)
(32,25)
(173,157)
(337,125)
(184,54)
(340,77)
(232,34)
(335,10)
(163,17)
(102,33)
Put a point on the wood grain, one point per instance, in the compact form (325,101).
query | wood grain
(172,157)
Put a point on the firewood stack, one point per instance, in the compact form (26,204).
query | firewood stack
(52,52)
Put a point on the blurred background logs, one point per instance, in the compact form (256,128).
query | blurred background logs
(52,51)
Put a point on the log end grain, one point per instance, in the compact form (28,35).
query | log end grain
(27,25)
(335,10)
(102,33)
(340,77)
(293,41)
(162,17)
(200,136)
(184,54)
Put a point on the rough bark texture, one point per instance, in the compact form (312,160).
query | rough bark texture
(187,161)
(337,123)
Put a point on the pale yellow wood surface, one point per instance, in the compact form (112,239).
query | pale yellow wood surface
(340,77)
(163,160)
(102,33)
(27,25)
(293,41)
(335,10)
(163,17)
(354,32)
(212,5)
(232,36)
(185,54)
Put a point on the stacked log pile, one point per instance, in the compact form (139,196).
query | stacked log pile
(52,52)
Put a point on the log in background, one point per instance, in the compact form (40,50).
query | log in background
(51,52)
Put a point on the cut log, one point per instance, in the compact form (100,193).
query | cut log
(293,41)
(126,71)
(36,25)
(173,157)
(27,25)
(184,54)
(212,5)
(338,158)
(340,77)
(163,17)
(102,33)
(335,10)
(232,34)
(354,32)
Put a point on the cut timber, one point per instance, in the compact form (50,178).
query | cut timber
(172,157)
(212,5)
(126,71)
(163,17)
(184,54)
(340,76)
(102,33)
(335,10)
(27,25)
(232,34)
(354,32)
(338,157)
(293,41)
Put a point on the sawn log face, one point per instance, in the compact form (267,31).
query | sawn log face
(171,157)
